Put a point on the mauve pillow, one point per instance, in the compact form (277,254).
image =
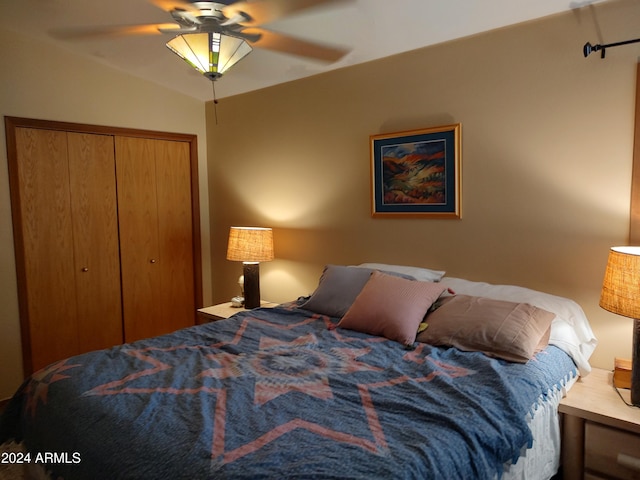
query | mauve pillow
(391,307)
(337,289)
(508,330)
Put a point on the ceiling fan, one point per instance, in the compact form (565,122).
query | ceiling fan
(241,19)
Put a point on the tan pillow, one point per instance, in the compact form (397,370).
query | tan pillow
(508,330)
(391,307)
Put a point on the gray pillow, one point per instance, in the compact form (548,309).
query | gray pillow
(338,288)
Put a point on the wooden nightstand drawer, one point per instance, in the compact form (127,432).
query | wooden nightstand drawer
(613,452)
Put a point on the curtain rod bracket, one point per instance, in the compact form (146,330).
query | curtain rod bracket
(588,48)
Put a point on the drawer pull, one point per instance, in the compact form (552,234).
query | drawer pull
(627,461)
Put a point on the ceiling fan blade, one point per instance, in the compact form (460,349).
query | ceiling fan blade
(295,46)
(237,19)
(249,37)
(265,11)
(184,18)
(170,5)
(177,30)
(113,31)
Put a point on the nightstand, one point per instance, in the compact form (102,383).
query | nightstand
(600,434)
(224,310)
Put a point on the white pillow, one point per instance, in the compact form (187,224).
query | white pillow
(422,274)
(570,330)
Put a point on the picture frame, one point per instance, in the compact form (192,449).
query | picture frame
(417,173)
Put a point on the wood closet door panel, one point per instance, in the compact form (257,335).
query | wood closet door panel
(156,235)
(45,257)
(173,175)
(96,244)
(139,250)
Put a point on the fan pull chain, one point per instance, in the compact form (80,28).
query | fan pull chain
(215,101)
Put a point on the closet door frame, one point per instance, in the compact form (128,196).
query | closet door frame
(12,123)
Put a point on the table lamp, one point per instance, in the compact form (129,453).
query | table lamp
(621,295)
(250,245)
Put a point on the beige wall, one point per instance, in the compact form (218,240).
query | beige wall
(547,155)
(40,81)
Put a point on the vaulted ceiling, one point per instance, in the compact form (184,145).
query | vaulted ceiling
(369,29)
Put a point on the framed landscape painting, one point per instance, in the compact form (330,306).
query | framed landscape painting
(417,173)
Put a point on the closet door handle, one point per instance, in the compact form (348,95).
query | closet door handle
(153,260)
(85,269)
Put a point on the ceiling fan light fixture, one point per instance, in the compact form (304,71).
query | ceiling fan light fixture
(211,54)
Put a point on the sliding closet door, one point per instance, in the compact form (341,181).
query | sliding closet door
(95,233)
(156,237)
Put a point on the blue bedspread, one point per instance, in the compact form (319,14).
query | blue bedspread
(273,393)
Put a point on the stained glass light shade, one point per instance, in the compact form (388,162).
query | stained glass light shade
(211,54)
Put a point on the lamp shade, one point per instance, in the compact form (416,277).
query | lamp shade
(621,284)
(211,54)
(250,244)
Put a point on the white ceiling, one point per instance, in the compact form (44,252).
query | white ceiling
(371,29)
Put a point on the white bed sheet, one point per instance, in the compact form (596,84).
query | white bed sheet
(542,460)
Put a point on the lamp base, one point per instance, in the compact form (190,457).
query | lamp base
(635,364)
(251,273)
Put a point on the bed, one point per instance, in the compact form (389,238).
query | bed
(320,387)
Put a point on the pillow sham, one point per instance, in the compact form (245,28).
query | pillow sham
(391,307)
(422,274)
(338,288)
(570,331)
(508,330)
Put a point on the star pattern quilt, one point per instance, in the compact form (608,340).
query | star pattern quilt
(276,393)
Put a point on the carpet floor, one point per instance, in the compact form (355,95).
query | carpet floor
(10,469)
